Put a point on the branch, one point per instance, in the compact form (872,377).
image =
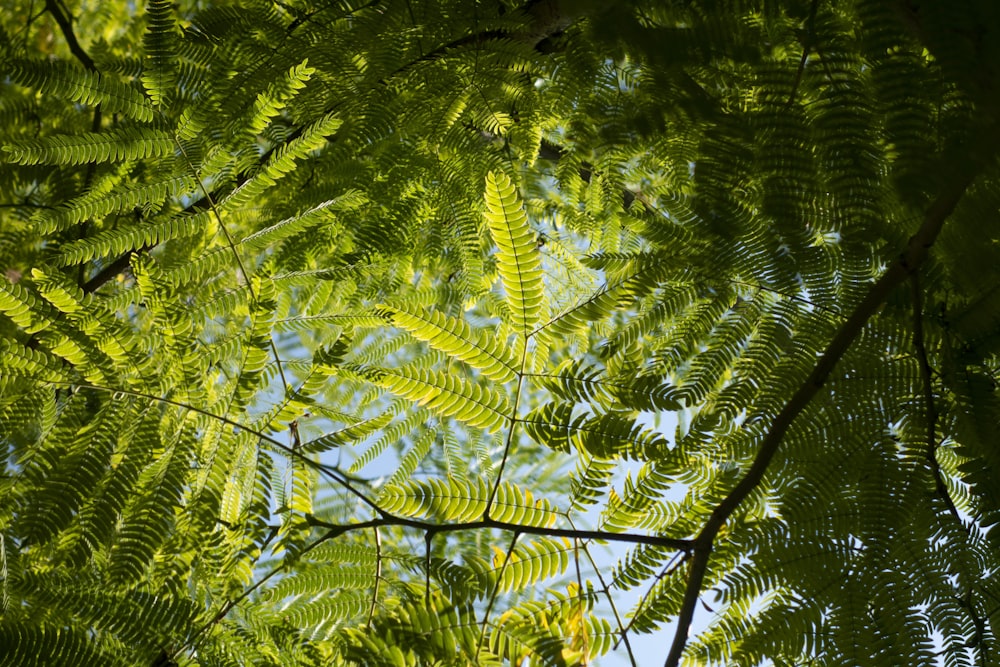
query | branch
(378,578)
(510,430)
(112,270)
(65,22)
(387,519)
(928,387)
(228,605)
(806,48)
(236,255)
(907,262)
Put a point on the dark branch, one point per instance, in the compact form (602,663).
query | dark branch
(65,22)
(897,273)
(806,48)
(386,519)
(111,270)
(926,375)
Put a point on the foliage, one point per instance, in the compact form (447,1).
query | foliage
(345,332)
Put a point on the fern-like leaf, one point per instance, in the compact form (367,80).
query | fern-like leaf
(84,147)
(454,337)
(117,241)
(25,308)
(35,645)
(83,86)
(449,396)
(531,562)
(318,214)
(282,162)
(451,500)
(159,71)
(518,258)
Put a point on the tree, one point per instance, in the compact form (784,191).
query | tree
(254,251)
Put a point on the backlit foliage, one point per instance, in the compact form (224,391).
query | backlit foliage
(356,332)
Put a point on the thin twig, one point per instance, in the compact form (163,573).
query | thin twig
(378,575)
(926,373)
(510,430)
(228,607)
(606,589)
(330,472)
(579,588)
(236,254)
(428,540)
(493,596)
(675,562)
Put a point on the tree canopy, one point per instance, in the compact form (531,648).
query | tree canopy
(346,332)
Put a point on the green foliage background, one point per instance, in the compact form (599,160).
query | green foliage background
(254,250)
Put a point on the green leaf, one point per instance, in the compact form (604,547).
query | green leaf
(480,349)
(159,71)
(449,396)
(282,162)
(25,308)
(518,258)
(324,212)
(81,85)
(531,562)
(452,500)
(117,241)
(84,147)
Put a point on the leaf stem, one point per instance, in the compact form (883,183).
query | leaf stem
(510,430)
(493,595)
